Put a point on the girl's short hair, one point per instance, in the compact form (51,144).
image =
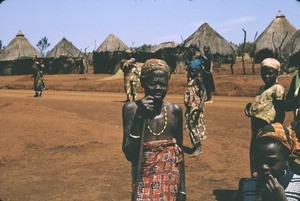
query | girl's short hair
(269,140)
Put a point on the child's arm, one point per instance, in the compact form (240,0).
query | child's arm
(133,117)
(179,139)
(247,109)
(279,101)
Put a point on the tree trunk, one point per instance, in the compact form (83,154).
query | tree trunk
(243,47)
(253,49)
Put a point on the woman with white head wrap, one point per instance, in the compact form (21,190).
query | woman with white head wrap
(268,105)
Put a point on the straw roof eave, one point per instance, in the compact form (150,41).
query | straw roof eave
(164,45)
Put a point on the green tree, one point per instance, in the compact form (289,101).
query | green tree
(144,48)
(42,45)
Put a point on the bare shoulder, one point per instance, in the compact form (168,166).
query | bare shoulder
(173,107)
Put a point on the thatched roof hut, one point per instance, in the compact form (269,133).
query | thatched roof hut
(273,38)
(292,49)
(64,48)
(19,48)
(18,56)
(206,35)
(164,45)
(112,44)
(64,58)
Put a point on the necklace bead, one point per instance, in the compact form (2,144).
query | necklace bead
(165,123)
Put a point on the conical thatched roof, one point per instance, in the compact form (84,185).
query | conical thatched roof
(19,47)
(164,45)
(112,44)
(279,30)
(205,35)
(64,48)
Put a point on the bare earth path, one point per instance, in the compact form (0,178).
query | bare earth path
(67,146)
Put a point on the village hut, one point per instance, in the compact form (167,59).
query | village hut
(18,56)
(107,58)
(64,58)
(112,44)
(164,45)
(271,41)
(176,57)
(291,50)
(205,35)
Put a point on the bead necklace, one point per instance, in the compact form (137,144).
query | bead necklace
(165,126)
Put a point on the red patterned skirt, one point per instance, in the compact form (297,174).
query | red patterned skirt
(160,171)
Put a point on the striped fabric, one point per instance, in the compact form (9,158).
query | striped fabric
(292,192)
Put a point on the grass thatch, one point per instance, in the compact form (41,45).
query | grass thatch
(112,44)
(292,49)
(164,45)
(19,48)
(277,34)
(64,48)
(206,35)
(293,45)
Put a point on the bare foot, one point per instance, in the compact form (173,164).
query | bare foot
(197,152)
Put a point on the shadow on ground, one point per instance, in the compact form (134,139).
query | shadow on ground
(224,195)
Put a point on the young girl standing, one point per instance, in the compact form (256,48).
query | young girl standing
(194,98)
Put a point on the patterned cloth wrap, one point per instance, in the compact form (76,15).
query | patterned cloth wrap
(287,138)
(131,76)
(155,64)
(263,107)
(194,121)
(160,171)
(38,82)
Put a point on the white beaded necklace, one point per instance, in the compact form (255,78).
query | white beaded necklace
(165,125)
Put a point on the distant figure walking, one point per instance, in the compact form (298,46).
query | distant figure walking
(131,78)
(194,98)
(208,80)
(38,81)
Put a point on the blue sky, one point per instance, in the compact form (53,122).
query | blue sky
(86,23)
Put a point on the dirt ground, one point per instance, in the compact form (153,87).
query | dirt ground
(66,145)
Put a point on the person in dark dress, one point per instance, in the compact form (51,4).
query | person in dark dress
(208,80)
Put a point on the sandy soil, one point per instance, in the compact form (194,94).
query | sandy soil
(66,145)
